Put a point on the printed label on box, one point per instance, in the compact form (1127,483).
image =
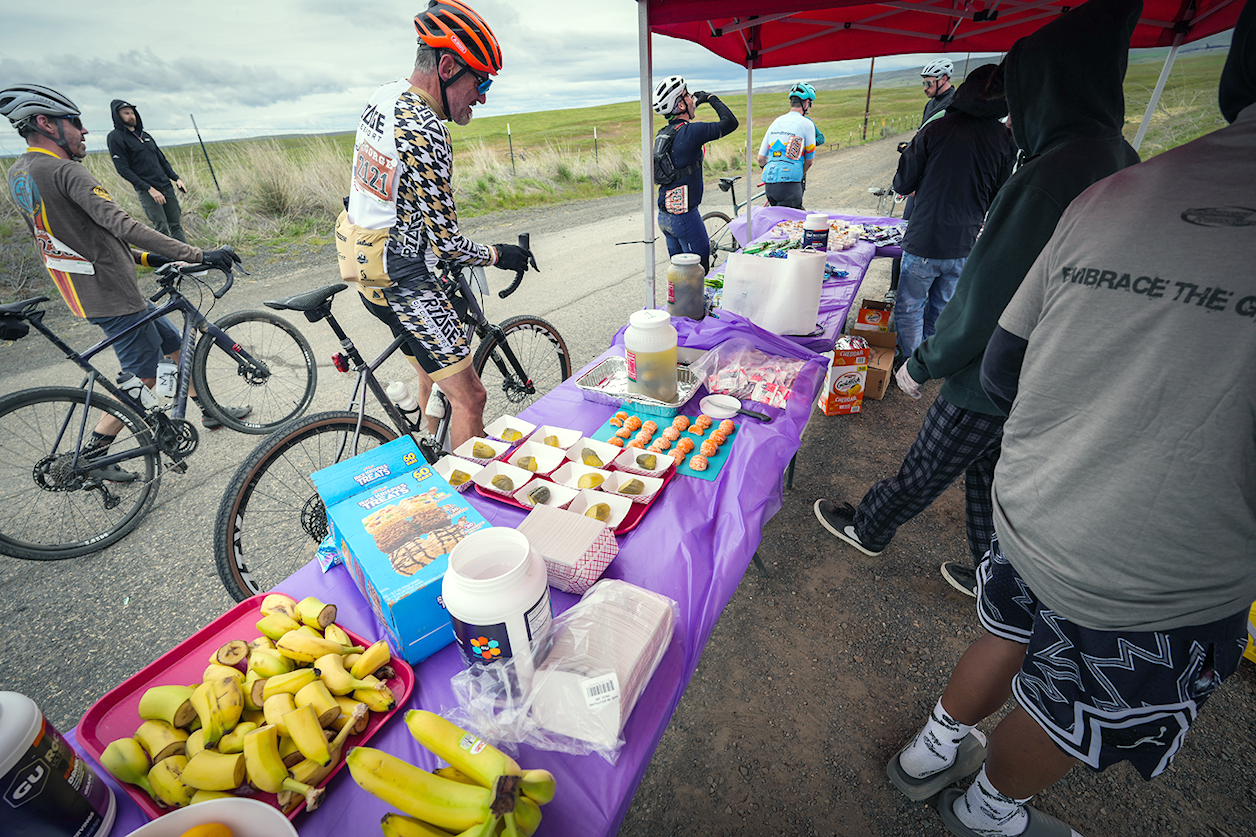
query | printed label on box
(599,691)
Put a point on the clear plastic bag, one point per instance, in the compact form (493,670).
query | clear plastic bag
(597,660)
(737,368)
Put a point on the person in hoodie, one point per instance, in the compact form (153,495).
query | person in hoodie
(954,166)
(140,162)
(1116,596)
(1066,104)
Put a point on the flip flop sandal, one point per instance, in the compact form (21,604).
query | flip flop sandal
(1040,824)
(968,759)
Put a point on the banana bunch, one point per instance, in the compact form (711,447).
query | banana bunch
(272,714)
(482,793)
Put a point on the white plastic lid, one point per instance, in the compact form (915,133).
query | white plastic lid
(816,220)
(396,390)
(650,318)
(686,259)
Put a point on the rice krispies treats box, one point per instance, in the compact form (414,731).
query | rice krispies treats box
(394,521)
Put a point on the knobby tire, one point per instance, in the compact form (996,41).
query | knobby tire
(542,355)
(721,238)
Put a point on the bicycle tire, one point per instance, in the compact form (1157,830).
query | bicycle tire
(278,398)
(271,504)
(48,513)
(718,233)
(542,355)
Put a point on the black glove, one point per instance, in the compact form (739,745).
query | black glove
(224,259)
(514,258)
(902,146)
(701,97)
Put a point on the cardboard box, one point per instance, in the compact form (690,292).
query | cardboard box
(844,383)
(873,315)
(394,521)
(872,323)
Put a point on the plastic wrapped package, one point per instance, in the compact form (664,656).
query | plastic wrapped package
(737,368)
(598,659)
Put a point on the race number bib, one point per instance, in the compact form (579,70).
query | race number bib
(793,150)
(676,201)
(374,173)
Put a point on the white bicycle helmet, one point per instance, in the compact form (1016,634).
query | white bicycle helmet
(23,102)
(667,93)
(938,67)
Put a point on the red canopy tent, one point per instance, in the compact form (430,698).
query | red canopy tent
(780,33)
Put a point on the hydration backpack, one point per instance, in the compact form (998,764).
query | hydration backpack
(665,171)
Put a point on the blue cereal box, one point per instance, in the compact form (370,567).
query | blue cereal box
(394,521)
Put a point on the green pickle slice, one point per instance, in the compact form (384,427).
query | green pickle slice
(503,483)
(648,461)
(511,435)
(632,487)
(457,478)
(599,511)
(481,450)
(589,457)
(552,441)
(527,463)
(590,480)
(539,495)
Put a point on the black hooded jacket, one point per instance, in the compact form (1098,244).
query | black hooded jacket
(1067,109)
(135,153)
(955,165)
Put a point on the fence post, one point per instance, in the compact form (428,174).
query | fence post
(595,145)
(206,153)
(512,150)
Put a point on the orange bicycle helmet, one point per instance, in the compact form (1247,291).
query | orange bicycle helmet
(451,25)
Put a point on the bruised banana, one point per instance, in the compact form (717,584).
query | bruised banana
(161,740)
(171,704)
(128,762)
(166,779)
(312,612)
(331,668)
(470,755)
(306,649)
(281,604)
(230,653)
(275,625)
(211,771)
(371,660)
(445,804)
(337,634)
(219,704)
(233,741)
(215,670)
(375,698)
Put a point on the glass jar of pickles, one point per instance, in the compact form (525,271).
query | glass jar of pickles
(685,289)
(650,350)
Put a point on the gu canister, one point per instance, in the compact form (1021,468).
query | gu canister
(48,789)
(497,593)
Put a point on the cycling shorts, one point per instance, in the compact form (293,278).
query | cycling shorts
(1107,696)
(141,350)
(419,310)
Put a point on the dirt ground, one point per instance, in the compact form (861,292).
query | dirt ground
(818,673)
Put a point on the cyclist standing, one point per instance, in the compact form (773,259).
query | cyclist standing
(400,216)
(679,218)
(788,149)
(936,77)
(83,237)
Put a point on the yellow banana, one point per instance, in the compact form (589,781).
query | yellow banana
(214,671)
(253,716)
(166,779)
(308,773)
(270,663)
(275,625)
(312,612)
(375,698)
(171,704)
(279,603)
(315,694)
(372,659)
(399,825)
(338,634)
(291,683)
(347,705)
(455,775)
(469,754)
(331,668)
(527,816)
(445,804)
(225,697)
(206,796)
(275,707)
(254,688)
(161,740)
(195,743)
(539,786)
(128,762)
(306,630)
(288,750)
(230,653)
(307,733)
(233,741)
(208,770)
(263,764)
(306,649)
(261,643)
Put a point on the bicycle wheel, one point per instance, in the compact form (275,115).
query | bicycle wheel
(50,511)
(271,518)
(543,362)
(282,393)
(721,236)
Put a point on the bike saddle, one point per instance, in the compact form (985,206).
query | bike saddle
(19,308)
(308,301)
(726,183)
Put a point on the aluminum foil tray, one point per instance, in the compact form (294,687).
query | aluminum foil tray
(607,383)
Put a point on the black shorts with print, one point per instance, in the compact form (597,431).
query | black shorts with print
(435,336)
(1107,696)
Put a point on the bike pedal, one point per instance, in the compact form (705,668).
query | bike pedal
(178,467)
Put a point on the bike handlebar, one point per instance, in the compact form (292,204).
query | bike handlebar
(171,273)
(525,241)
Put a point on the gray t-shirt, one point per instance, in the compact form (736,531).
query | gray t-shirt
(1125,493)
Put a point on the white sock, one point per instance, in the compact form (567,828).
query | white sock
(989,813)
(933,748)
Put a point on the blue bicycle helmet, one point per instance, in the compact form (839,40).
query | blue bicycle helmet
(803,91)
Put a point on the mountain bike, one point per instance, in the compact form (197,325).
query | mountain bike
(62,498)
(271,519)
(716,222)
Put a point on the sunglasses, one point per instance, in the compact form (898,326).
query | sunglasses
(929,82)
(76,121)
(483,83)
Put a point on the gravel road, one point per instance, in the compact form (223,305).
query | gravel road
(814,675)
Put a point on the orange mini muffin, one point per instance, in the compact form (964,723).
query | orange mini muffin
(671,434)
(699,463)
(681,423)
(709,448)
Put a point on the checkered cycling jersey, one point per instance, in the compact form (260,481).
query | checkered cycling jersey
(402,173)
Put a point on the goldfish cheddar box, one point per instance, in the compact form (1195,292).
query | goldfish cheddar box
(846,379)
(395,521)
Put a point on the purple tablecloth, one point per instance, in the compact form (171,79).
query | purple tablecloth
(693,546)
(837,295)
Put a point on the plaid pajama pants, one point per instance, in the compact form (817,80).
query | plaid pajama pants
(952,441)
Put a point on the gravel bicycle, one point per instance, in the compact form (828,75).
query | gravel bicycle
(716,222)
(63,498)
(271,519)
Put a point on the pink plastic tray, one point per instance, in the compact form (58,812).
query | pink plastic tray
(116,714)
(629,522)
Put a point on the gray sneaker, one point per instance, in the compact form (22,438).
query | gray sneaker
(211,423)
(840,521)
(961,576)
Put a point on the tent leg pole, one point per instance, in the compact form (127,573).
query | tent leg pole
(750,148)
(1155,94)
(647,144)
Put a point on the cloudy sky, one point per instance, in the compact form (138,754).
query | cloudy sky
(283,66)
